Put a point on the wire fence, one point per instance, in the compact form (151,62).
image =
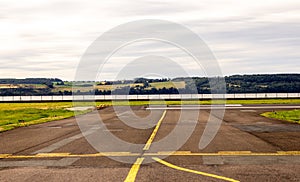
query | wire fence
(147,97)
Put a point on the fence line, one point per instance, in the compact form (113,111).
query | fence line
(148,97)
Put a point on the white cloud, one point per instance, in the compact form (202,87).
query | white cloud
(47,38)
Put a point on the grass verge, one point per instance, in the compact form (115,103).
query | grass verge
(290,116)
(14,115)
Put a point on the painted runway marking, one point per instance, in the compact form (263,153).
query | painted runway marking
(193,171)
(136,166)
(31,163)
(4,155)
(53,155)
(134,170)
(213,160)
(150,140)
(63,142)
(234,152)
(247,110)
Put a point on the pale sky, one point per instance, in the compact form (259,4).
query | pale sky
(47,38)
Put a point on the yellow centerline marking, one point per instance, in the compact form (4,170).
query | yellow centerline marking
(134,170)
(150,140)
(192,171)
(136,166)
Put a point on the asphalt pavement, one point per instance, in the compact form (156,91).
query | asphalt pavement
(157,144)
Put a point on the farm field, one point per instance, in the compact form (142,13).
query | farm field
(157,85)
(169,84)
(13,86)
(265,83)
(88,86)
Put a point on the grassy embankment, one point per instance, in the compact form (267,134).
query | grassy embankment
(13,115)
(290,116)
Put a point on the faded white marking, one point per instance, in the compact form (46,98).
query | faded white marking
(64,142)
(212,160)
(32,163)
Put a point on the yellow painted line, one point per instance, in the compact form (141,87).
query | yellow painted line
(2,156)
(271,154)
(52,155)
(150,140)
(87,155)
(173,153)
(20,156)
(234,152)
(134,170)
(193,171)
(118,154)
(289,152)
(180,153)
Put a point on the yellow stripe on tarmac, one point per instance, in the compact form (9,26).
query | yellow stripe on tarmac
(87,155)
(169,153)
(193,171)
(20,157)
(234,152)
(118,154)
(4,155)
(289,152)
(150,140)
(53,155)
(180,153)
(108,154)
(134,170)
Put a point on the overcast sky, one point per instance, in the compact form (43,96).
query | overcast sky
(47,38)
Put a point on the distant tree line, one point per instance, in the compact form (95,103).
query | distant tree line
(260,83)
(47,81)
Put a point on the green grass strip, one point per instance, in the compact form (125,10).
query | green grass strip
(290,116)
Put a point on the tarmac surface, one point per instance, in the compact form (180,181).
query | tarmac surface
(247,147)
